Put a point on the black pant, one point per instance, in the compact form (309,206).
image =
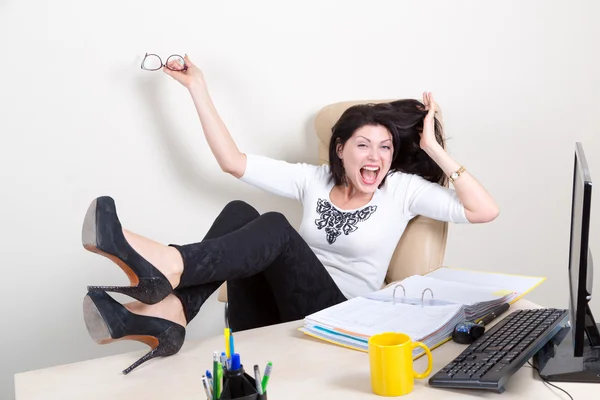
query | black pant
(272,274)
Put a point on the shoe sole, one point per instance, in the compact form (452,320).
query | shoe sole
(88,233)
(94,322)
(90,242)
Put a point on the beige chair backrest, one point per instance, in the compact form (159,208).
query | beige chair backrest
(422,246)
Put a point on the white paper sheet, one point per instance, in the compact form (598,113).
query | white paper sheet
(506,283)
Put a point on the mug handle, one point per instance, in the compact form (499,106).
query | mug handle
(425,374)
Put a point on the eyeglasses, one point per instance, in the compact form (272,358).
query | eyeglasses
(152,62)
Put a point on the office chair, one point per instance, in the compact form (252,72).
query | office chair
(421,248)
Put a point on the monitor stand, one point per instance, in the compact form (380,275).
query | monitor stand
(556,361)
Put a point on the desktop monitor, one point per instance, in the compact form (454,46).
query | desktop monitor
(573,355)
(580,257)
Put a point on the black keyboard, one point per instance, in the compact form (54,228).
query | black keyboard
(492,359)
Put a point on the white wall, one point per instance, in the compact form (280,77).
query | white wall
(517,81)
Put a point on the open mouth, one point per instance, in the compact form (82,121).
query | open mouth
(369,174)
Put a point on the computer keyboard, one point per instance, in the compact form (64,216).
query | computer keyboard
(493,358)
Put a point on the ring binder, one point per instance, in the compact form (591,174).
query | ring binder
(459,295)
(394,292)
(423,295)
(404,294)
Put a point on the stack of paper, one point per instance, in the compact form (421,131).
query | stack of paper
(351,323)
(428,316)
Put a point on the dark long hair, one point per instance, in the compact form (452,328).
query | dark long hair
(404,120)
(411,159)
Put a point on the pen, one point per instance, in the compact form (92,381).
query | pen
(219,379)
(215,368)
(227,334)
(493,314)
(231,348)
(235,362)
(257,380)
(209,378)
(206,387)
(265,379)
(224,360)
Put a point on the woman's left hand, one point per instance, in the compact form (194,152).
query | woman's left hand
(428,140)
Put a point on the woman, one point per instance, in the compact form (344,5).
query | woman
(387,163)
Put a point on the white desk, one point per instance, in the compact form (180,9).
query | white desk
(303,368)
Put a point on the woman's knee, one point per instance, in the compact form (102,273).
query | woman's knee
(276,218)
(241,207)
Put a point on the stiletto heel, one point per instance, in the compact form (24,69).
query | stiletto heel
(108,321)
(102,234)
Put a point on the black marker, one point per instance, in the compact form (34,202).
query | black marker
(493,314)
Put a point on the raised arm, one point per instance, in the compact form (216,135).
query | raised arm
(226,152)
(479,205)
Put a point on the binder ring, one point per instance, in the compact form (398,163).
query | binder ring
(394,292)
(423,295)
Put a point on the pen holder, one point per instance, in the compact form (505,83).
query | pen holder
(239,385)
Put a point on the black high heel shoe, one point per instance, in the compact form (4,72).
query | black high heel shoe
(102,233)
(108,320)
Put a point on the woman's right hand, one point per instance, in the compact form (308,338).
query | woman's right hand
(220,142)
(189,76)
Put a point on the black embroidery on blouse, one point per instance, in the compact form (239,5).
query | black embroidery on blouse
(337,222)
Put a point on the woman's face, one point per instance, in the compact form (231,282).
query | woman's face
(367,157)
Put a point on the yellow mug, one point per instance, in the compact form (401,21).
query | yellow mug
(391,359)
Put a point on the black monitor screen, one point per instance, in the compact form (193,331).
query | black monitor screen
(579,276)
